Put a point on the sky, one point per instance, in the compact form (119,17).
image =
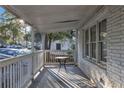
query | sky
(2,10)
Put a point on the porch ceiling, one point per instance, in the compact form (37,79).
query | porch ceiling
(47,18)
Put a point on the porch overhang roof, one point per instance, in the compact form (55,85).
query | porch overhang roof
(52,18)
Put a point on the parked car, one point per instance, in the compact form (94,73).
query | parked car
(20,49)
(14,52)
(25,51)
(3,56)
(15,46)
(9,51)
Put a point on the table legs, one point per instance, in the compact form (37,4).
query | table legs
(65,64)
(60,64)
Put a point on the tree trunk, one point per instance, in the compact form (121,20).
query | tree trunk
(13,38)
(49,45)
(47,42)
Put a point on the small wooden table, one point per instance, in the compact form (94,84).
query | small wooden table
(62,59)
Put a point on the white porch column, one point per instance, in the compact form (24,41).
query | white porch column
(43,40)
(32,48)
(32,39)
(79,46)
(76,48)
(43,46)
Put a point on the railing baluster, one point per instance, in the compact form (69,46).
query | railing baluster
(44,57)
(28,72)
(50,56)
(48,53)
(56,59)
(30,68)
(53,58)
(18,74)
(4,72)
(39,56)
(39,63)
(20,66)
(35,63)
(8,76)
(11,76)
(16,71)
(0,77)
(47,57)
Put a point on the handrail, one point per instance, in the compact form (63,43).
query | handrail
(39,51)
(12,60)
(59,51)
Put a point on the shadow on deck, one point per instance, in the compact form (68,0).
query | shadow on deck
(52,77)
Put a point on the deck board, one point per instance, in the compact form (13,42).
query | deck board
(52,77)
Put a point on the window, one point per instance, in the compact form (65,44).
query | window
(102,41)
(95,40)
(87,42)
(58,46)
(102,51)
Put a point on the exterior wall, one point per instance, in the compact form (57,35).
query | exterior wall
(113,75)
(65,45)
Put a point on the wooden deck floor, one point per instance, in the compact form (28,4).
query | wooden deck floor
(52,77)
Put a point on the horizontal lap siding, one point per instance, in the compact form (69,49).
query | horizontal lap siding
(115,45)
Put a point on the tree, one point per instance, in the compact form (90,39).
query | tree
(10,27)
(50,37)
(27,37)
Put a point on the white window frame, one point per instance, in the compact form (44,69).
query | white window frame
(97,59)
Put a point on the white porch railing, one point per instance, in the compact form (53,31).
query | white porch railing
(51,54)
(38,61)
(19,71)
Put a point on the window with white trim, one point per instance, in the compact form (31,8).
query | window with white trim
(95,41)
(102,42)
(87,43)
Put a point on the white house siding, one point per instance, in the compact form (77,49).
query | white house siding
(65,45)
(113,75)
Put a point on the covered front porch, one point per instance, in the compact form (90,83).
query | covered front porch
(96,61)
(40,69)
